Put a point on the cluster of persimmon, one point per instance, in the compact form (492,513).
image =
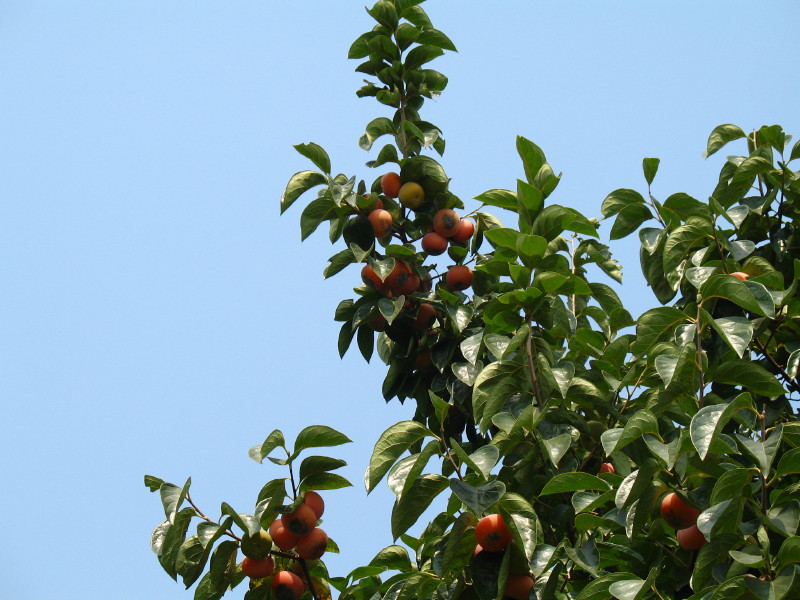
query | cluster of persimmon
(493,535)
(296,532)
(447,227)
(683,517)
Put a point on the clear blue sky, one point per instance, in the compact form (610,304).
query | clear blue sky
(157,316)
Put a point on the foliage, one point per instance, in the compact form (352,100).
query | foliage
(523,388)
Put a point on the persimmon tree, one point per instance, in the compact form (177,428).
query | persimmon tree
(578,436)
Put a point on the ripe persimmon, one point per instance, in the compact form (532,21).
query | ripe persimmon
(300,521)
(740,276)
(518,587)
(287,586)
(313,545)
(459,277)
(446,222)
(377,323)
(282,537)
(426,284)
(434,244)
(391,184)
(370,278)
(374,202)
(691,538)
(315,501)
(678,513)
(410,286)
(381,222)
(465,231)
(607,467)
(256,568)
(492,534)
(426,316)
(423,361)
(397,281)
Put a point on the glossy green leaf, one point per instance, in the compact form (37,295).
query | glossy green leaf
(493,387)
(650,168)
(695,233)
(620,199)
(629,219)
(408,508)
(315,154)
(478,499)
(574,482)
(720,136)
(737,332)
(709,421)
(298,184)
(749,375)
(390,446)
(785,519)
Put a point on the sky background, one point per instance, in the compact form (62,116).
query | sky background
(157,316)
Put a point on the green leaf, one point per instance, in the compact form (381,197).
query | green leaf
(390,446)
(503,237)
(620,199)
(532,157)
(324,481)
(641,423)
(789,463)
(500,198)
(374,130)
(172,497)
(152,482)
(749,375)
(189,562)
(737,332)
(299,184)
(730,485)
(740,293)
(530,248)
(574,482)
(721,135)
(412,468)
(656,325)
(708,422)
(434,37)
(318,436)
(408,508)
(394,558)
(629,219)
(247,523)
(789,552)
(312,465)
(650,168)
(314,214)
(173,539)
(785,519)
(478,499)
(723,517)
(420,55)
(494,385)
(684,238)
(597,589)
(315,154)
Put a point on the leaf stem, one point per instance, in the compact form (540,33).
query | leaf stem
(531,353)
(203,516)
